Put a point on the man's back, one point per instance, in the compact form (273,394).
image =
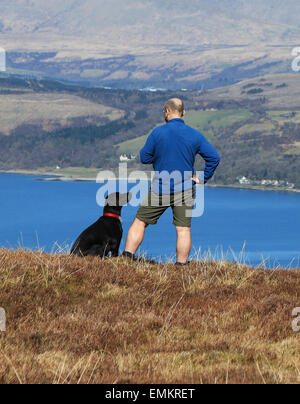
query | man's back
(172,149)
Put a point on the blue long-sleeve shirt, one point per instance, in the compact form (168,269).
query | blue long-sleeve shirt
(172,148)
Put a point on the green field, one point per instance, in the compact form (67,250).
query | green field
(132,146)
(207,122)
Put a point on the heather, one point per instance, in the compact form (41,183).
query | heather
(74,320)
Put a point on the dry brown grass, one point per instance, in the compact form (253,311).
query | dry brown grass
(50,110)
(72,320)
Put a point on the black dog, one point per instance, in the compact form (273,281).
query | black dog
(104,237)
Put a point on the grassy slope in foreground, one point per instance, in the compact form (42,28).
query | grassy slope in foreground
(94,321)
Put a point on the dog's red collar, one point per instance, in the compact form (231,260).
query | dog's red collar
(112,215)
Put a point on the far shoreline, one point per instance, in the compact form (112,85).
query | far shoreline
(57,176)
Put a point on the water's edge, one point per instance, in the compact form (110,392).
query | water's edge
(55,176)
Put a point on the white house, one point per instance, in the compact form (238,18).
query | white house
(123,158)
(244,181)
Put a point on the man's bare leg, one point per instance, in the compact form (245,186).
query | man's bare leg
(135,236)
(184,244)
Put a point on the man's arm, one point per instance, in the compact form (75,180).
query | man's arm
(211,157)
(147,152)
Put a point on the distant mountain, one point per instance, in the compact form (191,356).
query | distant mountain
(167,43)
(154,21)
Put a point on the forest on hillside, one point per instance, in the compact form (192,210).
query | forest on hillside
(258,144)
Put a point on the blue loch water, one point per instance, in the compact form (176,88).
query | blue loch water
(254,226)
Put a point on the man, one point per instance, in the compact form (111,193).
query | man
(172,148)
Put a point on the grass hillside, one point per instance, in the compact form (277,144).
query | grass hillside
(51,111)
(280,91)
(72,320)
(254,125)
(51,124)
(132,146)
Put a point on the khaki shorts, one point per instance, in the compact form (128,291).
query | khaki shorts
(154,206)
